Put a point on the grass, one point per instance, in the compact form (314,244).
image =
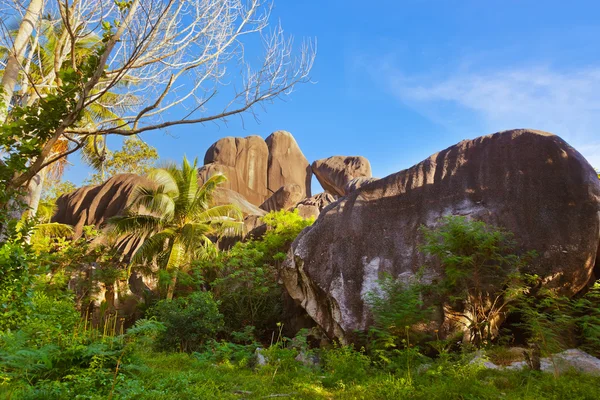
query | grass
(159,376)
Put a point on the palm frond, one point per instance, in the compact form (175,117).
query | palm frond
(228,227)
(188,186)
(153,246)
(165,180)
(205,194)
(95,152)
(193,233)
(206,250)
(53,229)
(154,201)
(134,224)
(219,212)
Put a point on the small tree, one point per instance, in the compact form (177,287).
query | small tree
(176,219)
(189,321)
(244,278)
(479,270)
(135,157)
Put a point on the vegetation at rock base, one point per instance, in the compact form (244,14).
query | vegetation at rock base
(203,344)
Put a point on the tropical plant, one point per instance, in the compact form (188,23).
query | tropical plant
(135,157)
(244,278)
(189,321)
(177,219)
(480,273)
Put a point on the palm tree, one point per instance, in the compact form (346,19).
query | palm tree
(176,219)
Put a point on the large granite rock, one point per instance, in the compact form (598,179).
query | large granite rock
(334,173)
(287,164)
(244,162)
(357,183)
(311,207)
(95,204)
(532,183)
(284,198)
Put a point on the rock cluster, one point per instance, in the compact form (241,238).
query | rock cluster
(257,169)
(531,183)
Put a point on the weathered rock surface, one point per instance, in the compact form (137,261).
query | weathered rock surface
(568,360)
(95,204)
(334,173)
(285,197)
(532,183)
(357,183)
(287,164)
(312,206)
(244,161)
(254,227)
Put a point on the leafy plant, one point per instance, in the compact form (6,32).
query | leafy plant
(177,219)
(244,278)
(345,365)
(189,321)
(397,305)
(480,271)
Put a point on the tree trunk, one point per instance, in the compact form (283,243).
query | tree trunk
(13,65)
(34,191)
(171,288)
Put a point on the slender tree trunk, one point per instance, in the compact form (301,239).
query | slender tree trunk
(34,191)
(13,65)
(171,288)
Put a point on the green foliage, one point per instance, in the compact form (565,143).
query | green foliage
(135,157)
(18,279)
(189,321)
(397,308)
(53,348)
(244,279)
(240,351)
(30,127)
(586,310)
(345,366)
(556,322)
(177,219)
(480,271)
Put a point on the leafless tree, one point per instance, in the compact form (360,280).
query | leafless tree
(164,63)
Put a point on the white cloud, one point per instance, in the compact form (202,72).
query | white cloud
(563,102)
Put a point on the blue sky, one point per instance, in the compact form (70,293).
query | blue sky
(396,81)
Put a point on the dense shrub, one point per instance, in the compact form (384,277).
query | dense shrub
(244,278)
(480,272)
(189,321)
(397,308)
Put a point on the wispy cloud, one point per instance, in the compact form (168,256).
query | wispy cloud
(563,102)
